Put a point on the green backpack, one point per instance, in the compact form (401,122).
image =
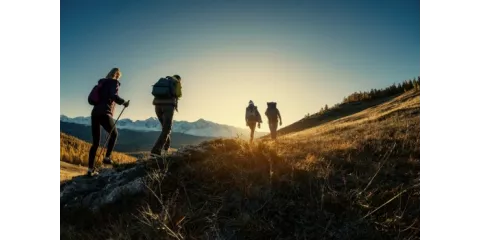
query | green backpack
(167,88)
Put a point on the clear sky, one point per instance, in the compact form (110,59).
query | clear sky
(301,54)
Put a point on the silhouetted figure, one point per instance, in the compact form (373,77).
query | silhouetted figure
(102,113)
(252,117)
(273,115)
(166,93)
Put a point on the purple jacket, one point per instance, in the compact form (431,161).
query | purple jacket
(108,97)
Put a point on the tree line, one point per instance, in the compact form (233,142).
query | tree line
(394,89)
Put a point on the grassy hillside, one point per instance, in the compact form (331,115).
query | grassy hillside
(128,140)
(342,110)
(351,104)
(75,151)
(357,177)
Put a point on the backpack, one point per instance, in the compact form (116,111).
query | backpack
(271,110)
(167,88)
(252,114)
(94,96)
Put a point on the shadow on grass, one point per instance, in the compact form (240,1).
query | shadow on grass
(232,190)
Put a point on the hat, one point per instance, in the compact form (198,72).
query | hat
(250,103)
(176,76)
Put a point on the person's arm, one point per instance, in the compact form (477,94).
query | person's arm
(259,117)
(279,116)
(246,115)
(113,94)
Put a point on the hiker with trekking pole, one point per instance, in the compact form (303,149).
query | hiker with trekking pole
(103,97)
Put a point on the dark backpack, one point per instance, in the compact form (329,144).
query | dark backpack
(271,110)
(252,115)
(94,96)
(165,88)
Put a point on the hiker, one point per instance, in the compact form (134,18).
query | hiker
(252,117)
(102,115)
(166,93)
(273,115)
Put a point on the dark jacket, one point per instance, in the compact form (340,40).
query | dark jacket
(258,117)
(108,97)
(165,102)
(273,114)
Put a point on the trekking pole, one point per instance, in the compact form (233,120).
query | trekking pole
(114,124)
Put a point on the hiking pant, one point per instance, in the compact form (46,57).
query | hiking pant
(165,116)
(107,123)
(252,126)
(273,129)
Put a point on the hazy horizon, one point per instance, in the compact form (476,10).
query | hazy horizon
(301,54)
(155,117)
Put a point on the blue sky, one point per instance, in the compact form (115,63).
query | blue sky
(302,54)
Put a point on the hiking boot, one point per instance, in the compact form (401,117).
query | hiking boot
(91,172)
(107,160)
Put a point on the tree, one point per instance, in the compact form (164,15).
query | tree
(326,107)
(405,86)
(416,84)
(410,84)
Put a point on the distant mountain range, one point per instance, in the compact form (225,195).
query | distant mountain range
(129,141)
(201,127)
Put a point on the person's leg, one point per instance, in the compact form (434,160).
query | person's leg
(252,126)
(167,119)
(274,130)
(167,143)
(167,126)
(107,123)
(169,138)
(270,126)
(95,143)
(158,144)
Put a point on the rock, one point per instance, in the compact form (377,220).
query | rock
(107,187)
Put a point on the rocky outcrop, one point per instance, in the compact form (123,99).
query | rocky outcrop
(113,184)
(108,186)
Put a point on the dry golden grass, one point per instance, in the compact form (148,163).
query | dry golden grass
(68,171)
(75,151)
(353,178)
(398,119)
